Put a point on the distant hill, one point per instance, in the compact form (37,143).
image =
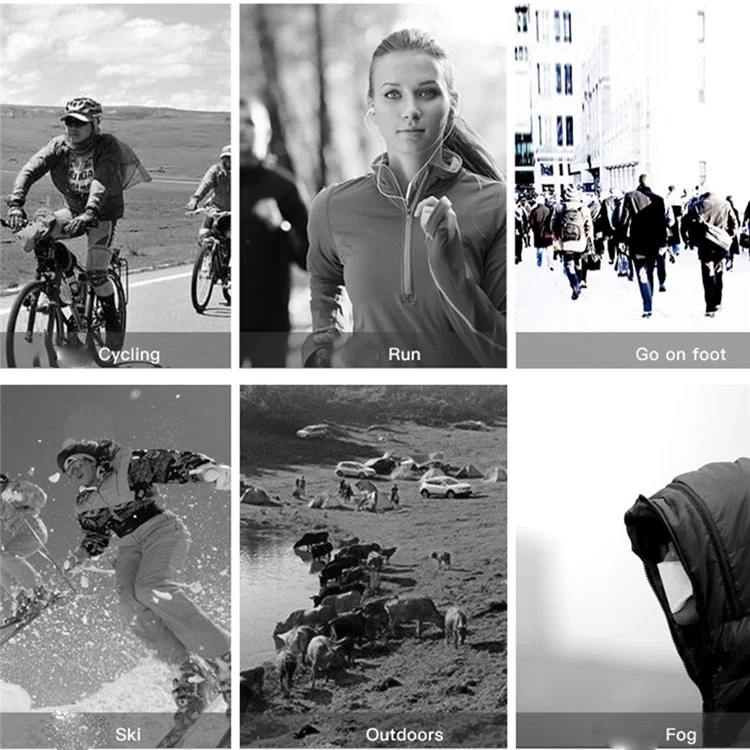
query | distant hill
(172,143)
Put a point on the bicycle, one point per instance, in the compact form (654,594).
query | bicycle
(211,265)
(60,308)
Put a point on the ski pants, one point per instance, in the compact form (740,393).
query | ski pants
(17,545)
(158,609)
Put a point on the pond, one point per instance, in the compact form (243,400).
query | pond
(274,581)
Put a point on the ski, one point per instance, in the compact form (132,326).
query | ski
(181,732)
(19,625)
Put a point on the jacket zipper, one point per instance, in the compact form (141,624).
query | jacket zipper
(713,533)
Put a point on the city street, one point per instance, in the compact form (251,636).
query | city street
(543,300)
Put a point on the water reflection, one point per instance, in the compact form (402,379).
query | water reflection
(274,581)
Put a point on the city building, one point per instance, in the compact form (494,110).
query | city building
(547,101)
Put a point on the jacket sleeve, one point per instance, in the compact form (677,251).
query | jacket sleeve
(34,169)
(475,307)
(207,184)
(23,494)
(162,466)
(326,278)
(623,225)
(554,221)
(106,174)
(95,534)
(294,209)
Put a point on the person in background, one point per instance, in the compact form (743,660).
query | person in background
(217,185)
(573,227)
(539,221)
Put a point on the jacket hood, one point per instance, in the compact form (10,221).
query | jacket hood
(706,514)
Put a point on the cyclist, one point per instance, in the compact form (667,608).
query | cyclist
(91,169)
(118,496)
(216,181)
(22,532)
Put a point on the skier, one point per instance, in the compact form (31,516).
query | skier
(22,533)
(118,495)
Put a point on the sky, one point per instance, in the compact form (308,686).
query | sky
(601,447)
(146,55)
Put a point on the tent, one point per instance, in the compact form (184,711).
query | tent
(406,472)
(383,465)
(434,472)
(496,474)
(257,496)
(318,501)
(469,472)
(437,456)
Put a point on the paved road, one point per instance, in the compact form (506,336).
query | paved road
(161,317)
(612,304)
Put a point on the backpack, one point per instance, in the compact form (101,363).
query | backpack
(719,240)
(573,229)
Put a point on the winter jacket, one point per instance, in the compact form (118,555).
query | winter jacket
(539,219)
(643,222)
(706,514)
(125,494)
(115,168)
(713,210)
(446,293)
(218,180)
(20,499)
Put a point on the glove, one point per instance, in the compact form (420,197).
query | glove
(74,559)
(81,223)
(191,205)
(219,475)
(16,217)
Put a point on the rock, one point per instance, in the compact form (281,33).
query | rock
(387,684)
(304,730)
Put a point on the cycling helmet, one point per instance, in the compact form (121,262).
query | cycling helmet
(84,109)
(226,151)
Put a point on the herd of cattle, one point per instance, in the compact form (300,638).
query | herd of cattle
(345,612)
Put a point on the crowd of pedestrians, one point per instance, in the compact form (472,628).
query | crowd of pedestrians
(638,233)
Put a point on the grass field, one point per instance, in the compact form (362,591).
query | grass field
(463,691)
(175,146)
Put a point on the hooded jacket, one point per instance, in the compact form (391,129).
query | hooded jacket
(125,494)
(115,166)
(444,294)
(706,514)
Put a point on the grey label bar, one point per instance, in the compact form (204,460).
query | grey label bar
(633,350)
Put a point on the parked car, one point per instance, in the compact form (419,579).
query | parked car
(313,431)
(444,487)
(354,469)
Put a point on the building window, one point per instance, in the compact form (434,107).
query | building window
(568,80)
(547,170)
(542,26)
(559,131)
(522,18)
(558,76)
(557,25)
(701,26)
(524,150)
(522,53)
(543,78)
(568,131)
(567,27)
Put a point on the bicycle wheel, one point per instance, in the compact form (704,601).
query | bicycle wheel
(35,328)
(203,280)
(226,289)
(97,330)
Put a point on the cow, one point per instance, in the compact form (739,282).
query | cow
(443,558)
(349,542)
(335,589)
(376,614)
(354,576)
(455,626)
(408,608)
(343,602)
(312,537)
(346,647)
(316,616)
(319,551)
(331,572)
(286,665)
(251,684)
(388,553)
(348,561)
(360,550)
(324,656)
(375,561)
(350,625)
(295,640)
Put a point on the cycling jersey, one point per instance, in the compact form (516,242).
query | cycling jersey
(449,289)
(95,179)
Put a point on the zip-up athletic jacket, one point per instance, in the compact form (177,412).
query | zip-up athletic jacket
(125,494)
(706,513)
(116,168)
(445,294)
